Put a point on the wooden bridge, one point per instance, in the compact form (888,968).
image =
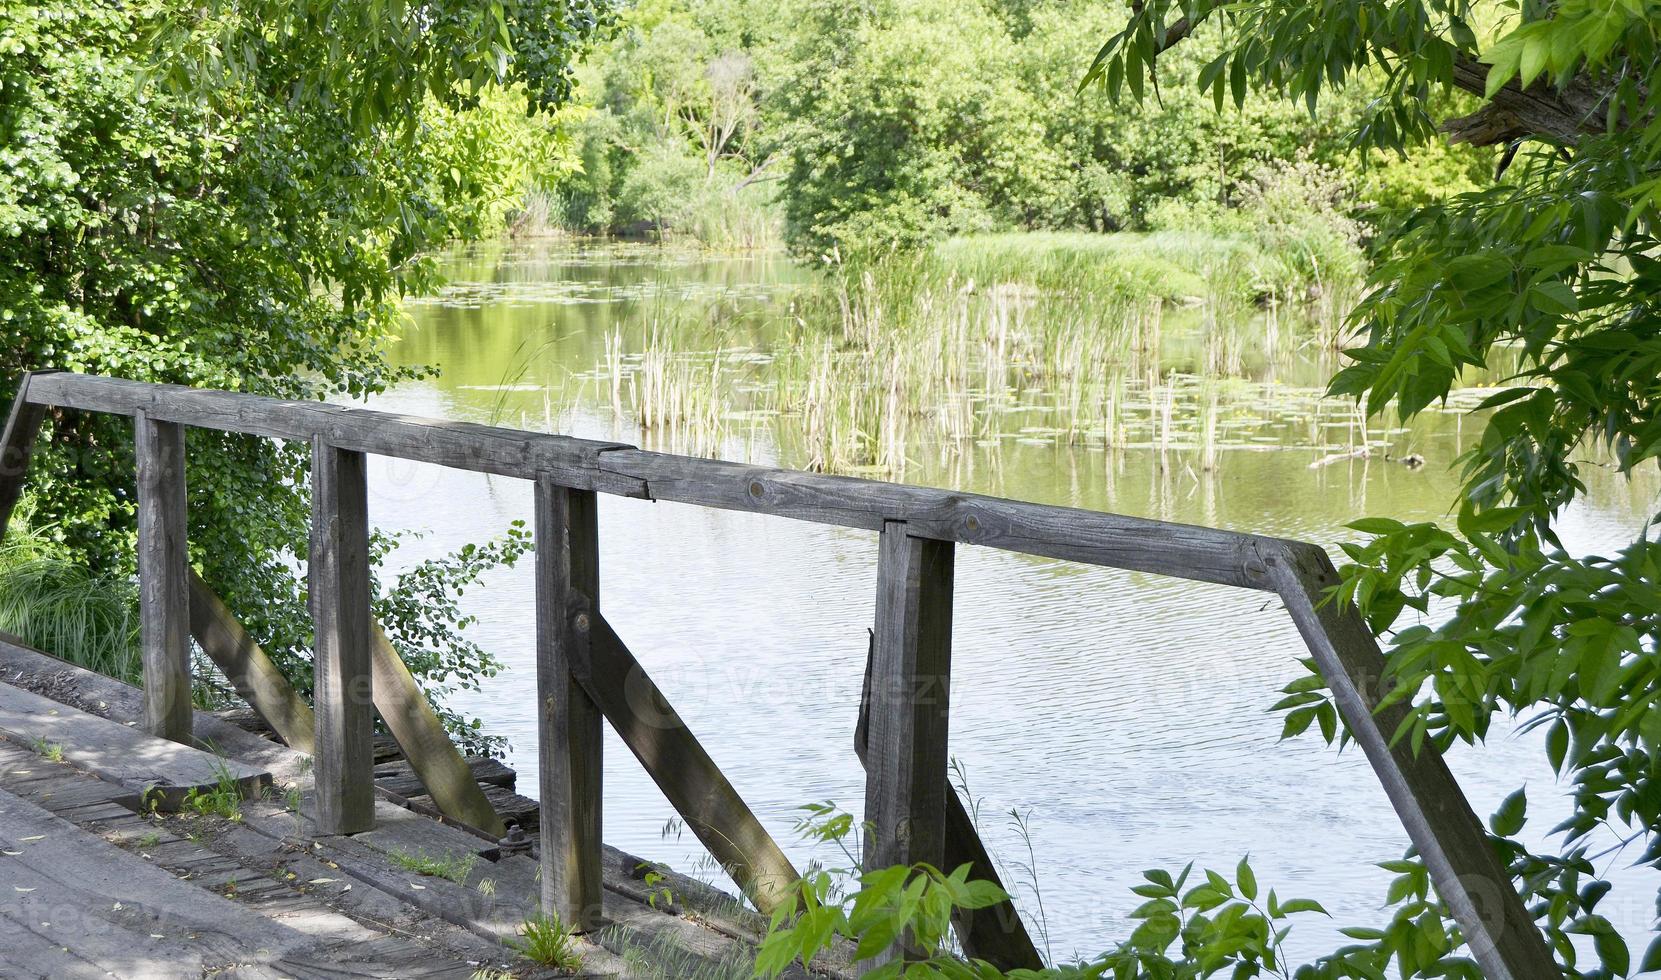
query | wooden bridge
(587,676)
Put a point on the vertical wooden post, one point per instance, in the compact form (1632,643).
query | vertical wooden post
(344,763)
(905,772)
(996,934)
(17,444)
(569,726)
(163,577)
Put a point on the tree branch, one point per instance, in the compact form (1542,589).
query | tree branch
(1539,111)
(1514,113)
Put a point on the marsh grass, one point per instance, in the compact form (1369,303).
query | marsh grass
(744,218)
(659,958)
(1096,341)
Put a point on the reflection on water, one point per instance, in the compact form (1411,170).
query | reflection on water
(1122,714)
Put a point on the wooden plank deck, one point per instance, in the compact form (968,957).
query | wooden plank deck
(338,906)
(155,769)
(79,905)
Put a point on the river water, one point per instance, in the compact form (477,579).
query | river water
(1122,716)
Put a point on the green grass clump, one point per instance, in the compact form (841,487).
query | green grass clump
(223,800)
(454,868)
(51,750)
(544,940)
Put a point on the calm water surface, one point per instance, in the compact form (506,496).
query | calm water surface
(1122,715)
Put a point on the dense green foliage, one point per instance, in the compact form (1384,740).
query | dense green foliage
(248,222)
(889,124)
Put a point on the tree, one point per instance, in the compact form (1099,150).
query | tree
(232,195)
(906,124)
(1556,258)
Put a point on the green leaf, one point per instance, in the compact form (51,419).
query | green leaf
(1512,814)
(1652,957)
(1613,952)
(1376,525)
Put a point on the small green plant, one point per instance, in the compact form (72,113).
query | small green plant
(546,941)
(147,841)
(224,799)
(455,868)
(914,903)
(489,973)
(51,750)
(1184,930)
(658,894)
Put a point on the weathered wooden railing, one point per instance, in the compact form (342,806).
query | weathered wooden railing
(585,672)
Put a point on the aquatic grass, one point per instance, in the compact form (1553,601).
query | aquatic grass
(660,958)
(744,218)
(1094,341)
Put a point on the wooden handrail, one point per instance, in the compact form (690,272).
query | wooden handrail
(1068,533)
(905,719)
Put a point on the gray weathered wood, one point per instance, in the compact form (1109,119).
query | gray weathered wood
(106,697)
(255,677)
(1185,551)
(342,688)
(441,769)
(59,885)
(688,777)
(17,445)
(427,746)
(163,577)
(905,785)
(569,729)
(995,934)
(462,445)
(118,754)
(1439,820)
(914,600)
(1180,550)
(399,779)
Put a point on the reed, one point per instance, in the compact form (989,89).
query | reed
(931,353)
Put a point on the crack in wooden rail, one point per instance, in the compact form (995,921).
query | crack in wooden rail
(917,526)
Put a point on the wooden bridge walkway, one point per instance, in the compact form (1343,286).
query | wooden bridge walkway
(587,677)
(94,884)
